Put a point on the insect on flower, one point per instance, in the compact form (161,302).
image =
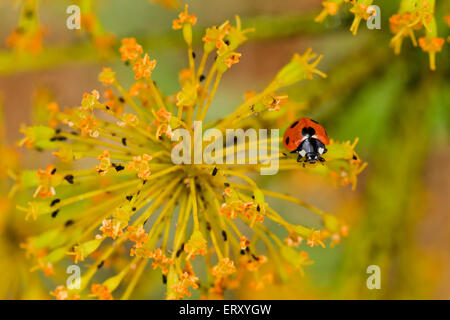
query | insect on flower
(135,206)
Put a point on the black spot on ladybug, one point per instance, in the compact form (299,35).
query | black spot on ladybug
(134,208)
(287,140)
(124,141)
(55,213)
(294,124)
(69,178)
(214,171)
(55,202)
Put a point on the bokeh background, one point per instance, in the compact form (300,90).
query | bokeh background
(399,109)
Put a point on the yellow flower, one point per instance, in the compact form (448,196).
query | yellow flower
(141,165)
(330,7)
(400,25)
(359,9)
(196,245)
(46,188)
(184,18)
(224,268)
(186,281)
(101,292)
(105,163)
(107,76)
(130,49)
(61,293)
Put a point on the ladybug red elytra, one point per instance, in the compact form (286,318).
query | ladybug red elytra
(307,138)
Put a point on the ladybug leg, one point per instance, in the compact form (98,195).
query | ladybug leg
(321,159)
(299,158)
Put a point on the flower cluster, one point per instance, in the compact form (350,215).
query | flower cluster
(412,16)
(27,36)
(132,195)
(360,8)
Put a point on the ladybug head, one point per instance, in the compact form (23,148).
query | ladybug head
(311,157)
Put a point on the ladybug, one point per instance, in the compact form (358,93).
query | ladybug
(307,138)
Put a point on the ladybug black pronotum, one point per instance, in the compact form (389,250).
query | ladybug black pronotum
(307,138)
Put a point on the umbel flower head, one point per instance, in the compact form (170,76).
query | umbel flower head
(132,207)
(27,36)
